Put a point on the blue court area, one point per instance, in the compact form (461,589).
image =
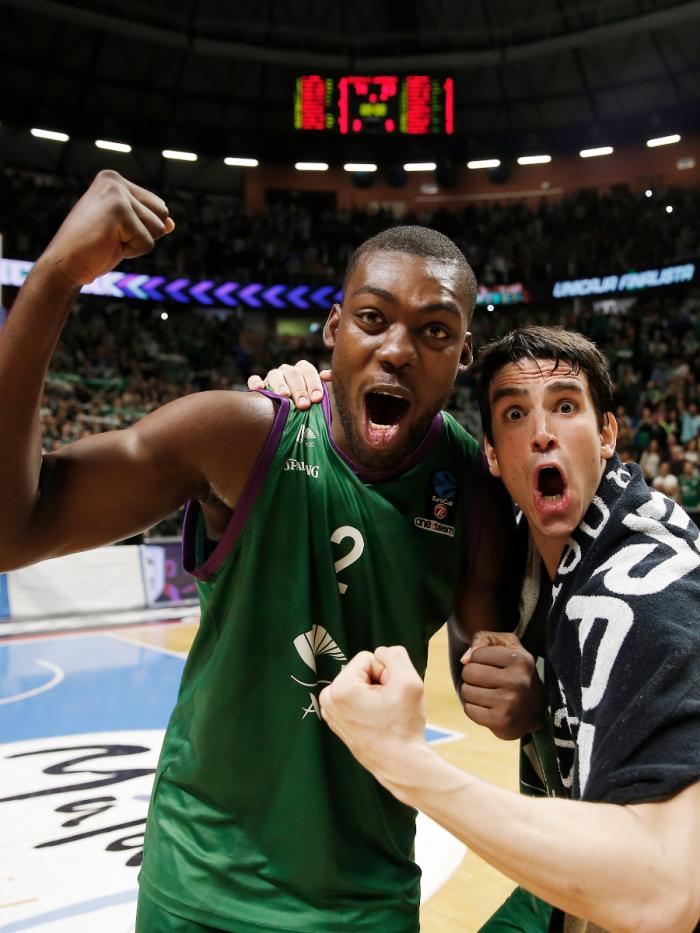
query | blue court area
(84,683)
(82,718)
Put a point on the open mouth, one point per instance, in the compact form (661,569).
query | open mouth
(384,412)
(551,493)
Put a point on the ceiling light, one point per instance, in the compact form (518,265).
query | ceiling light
(600,151)
(534,160)
(663,140)
(242,163)
(648,193)
(669,208)
(50,134)
(311,166)
(420,167)
(484,163)
(180,156)
(360,167)
(113,147)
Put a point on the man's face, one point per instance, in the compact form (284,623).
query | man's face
(397,344)
(547,447)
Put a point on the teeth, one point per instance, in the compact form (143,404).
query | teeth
(380,427)
(552,498)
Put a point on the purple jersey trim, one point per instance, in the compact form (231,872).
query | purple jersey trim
(377,476)
(243,507)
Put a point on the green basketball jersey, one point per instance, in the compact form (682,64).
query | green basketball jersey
(260,817)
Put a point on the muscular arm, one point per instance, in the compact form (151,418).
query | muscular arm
(630,869)
(488,600)
(106,487)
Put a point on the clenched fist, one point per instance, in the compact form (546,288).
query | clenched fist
(114,220)
(500,686)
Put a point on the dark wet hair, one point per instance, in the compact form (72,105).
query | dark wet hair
(417,241)
(531,342)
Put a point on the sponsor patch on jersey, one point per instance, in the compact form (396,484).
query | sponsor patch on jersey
(428,524)
(311,469)
(306,436)
(442,496)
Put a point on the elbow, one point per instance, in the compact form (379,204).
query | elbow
(670,912)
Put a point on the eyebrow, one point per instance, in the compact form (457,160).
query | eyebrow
(561,385)
(449,306)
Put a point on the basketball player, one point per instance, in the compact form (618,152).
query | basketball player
(619,615)
(313,535)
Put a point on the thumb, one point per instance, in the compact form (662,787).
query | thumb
(326,375)
(490,639)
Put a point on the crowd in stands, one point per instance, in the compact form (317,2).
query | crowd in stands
(587,233)
(116,362)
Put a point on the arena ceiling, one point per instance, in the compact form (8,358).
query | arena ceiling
(219,76)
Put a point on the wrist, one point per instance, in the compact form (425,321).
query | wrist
(411,772)
(54,274)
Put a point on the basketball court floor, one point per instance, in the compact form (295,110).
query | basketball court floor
(82,717)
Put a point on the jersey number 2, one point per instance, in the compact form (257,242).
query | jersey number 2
(355,552)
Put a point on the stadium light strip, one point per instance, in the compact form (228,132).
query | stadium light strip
(484,163)
(311,166)
(113,147)
(600,151)
(240,162)
(50,134)
(254,296)
(419,167)
(180,156)
(360,167)
(534,160)
(663,140)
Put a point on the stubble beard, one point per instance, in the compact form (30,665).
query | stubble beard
(378,460)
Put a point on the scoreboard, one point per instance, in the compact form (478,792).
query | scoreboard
(383,104)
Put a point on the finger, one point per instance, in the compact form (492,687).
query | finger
(498,656)
(297,385)
(136,237)
(480,715)
(507,639)
(150,220)
(479,696)
(312,379)
(275,380)
(148,199)
(255,382)
(483,675)
(363,668)
(326,375)
(398,666)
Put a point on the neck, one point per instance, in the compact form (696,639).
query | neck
(550,550)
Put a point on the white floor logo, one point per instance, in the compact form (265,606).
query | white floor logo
(73,811)
(311,646)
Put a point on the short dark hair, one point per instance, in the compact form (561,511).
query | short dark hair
(545,343)
(417,241)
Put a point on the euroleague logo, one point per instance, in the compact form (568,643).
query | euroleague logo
(441,500)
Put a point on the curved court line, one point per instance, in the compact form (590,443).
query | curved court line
(58,676)
(71,910)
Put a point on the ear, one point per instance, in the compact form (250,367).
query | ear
(490,452)
(608,436)
(331,326)
(466,356)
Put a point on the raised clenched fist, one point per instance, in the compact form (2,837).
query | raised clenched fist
(114,220)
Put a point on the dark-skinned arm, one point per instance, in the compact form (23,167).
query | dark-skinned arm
(495,677)
(107,487)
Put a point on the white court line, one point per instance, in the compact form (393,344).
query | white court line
(58,676)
